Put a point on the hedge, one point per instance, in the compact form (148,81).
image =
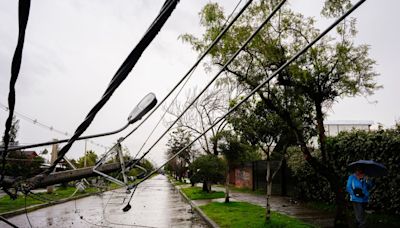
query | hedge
(382,146)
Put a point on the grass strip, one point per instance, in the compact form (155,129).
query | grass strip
(241,214)
(7,204)
(195,193)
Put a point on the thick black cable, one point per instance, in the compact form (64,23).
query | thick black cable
(249,39)
(118,78)
(23,15)
(26,214)
(7,222)
(292,59)
(190,74)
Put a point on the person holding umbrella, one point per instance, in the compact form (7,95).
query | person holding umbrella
(359,186)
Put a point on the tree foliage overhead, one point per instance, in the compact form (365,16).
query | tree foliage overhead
(334,67)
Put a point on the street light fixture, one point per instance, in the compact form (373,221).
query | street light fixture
(145,105)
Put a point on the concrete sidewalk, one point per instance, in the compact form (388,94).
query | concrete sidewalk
(279,204)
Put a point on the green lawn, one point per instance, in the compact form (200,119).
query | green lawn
(7,204)
(241,214)
(195,193)
(175,182)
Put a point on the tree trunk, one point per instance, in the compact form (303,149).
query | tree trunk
(227,185)
(205,186)
(269,187)
(341,218)
(284,177)
(321,131)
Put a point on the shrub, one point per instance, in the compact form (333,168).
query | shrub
(382,146)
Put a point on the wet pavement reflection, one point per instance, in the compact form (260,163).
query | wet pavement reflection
(156,203)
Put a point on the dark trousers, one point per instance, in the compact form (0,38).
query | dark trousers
(360,214)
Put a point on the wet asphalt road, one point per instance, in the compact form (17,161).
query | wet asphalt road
(156,203)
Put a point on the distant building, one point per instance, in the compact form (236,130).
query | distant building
(333,127)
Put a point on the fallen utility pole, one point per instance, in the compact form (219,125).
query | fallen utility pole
(64,176)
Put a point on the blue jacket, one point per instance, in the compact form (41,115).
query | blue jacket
(353,182)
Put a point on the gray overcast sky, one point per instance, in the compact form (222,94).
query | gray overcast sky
(73,48)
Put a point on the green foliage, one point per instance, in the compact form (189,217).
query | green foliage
(256,124)
(147,165)
(91,158)
(13,132)
(335,8)
(382,146)
(235,150)
(309,185)
(179,139)
(195,193)
(19,165)
(241,214)
(207,168)
(134,172)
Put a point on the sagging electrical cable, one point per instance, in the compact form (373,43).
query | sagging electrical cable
(118,78)
(255,90)
(40,124)
(190,74)
(249,39)
(26,214)
(23,15)
(190,71)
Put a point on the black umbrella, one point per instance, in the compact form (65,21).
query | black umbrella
(370,167)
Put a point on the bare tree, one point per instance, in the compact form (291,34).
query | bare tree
(208,109)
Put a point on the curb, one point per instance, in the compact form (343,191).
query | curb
(43,205)
(209,222)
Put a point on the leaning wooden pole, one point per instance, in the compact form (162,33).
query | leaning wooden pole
(63,176)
